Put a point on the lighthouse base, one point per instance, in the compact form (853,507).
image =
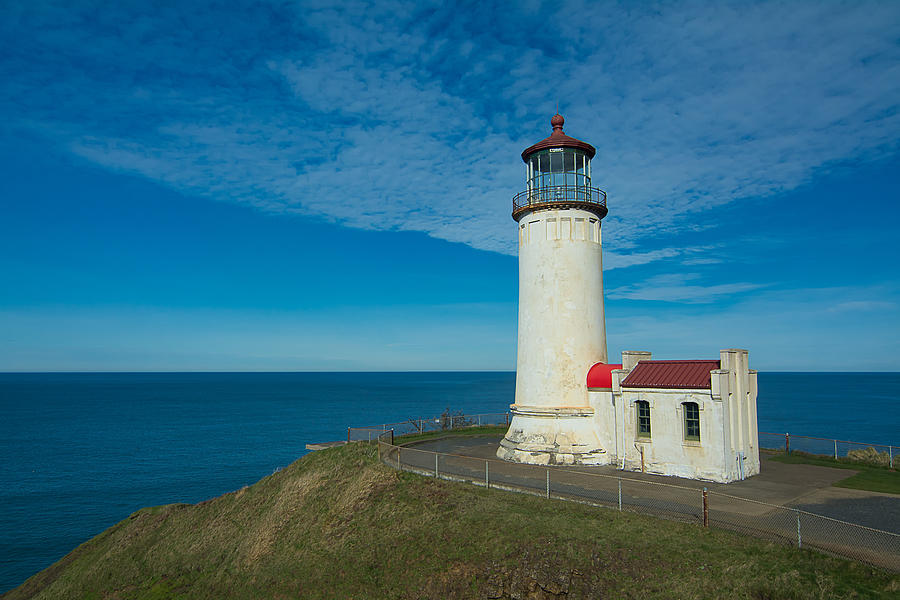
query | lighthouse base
(547,435)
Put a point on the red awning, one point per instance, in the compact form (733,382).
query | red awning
(600,375)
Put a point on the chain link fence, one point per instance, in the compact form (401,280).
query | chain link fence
(805,530)
(876,454)
(444,422)
(697,505)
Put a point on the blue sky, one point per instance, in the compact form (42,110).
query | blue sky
(307,186)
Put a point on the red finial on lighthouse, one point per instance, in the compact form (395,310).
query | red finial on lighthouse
(557,122)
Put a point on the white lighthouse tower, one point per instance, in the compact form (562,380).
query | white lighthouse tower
(562,331)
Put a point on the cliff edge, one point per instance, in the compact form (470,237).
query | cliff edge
(338,524)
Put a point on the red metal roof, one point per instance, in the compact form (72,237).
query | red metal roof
(558,139)
(600,375)
(671,374)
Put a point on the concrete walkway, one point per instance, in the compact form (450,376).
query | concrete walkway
(791,504)
(806,487)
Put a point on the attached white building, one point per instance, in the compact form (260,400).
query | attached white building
(693,418)
(689,418)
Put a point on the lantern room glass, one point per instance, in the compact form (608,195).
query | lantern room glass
(558,173)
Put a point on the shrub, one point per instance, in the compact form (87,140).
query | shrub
(870,456)
(455,421)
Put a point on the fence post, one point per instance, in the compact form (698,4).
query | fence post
(436,465)
(348,435)
(507,419)
(487,477)
(891,454)
(479,420)
(399,468)
(835,449)
(392,437)
(548,484)
(799,539)
(620,493)
(787,443)
(705,508)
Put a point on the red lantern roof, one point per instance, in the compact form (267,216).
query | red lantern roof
(558,139)
(671,374)
(600,375)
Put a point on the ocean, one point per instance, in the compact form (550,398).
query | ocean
(81,451)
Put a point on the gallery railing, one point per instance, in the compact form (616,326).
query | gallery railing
(560,196)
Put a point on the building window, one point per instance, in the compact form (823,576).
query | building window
(691,421)
(643,419)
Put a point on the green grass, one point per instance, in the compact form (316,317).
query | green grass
(871,478)
(338,524)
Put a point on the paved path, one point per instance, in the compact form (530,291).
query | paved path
(734,506)
(778,483)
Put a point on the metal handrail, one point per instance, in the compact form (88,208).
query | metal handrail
(589,198)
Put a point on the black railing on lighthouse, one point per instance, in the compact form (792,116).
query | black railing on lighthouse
(560,196)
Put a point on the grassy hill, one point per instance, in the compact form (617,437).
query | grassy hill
(337,524)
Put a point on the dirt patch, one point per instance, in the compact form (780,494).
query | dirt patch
(532,574)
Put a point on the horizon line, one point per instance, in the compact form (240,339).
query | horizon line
(123,372)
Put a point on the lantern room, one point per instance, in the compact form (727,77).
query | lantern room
(558,175)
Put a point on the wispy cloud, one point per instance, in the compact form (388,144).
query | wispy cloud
(701,261)
(614,260)
(678,288)
(783,329)
(410,116)
(863,306)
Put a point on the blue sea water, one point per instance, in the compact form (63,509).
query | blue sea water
(79,452)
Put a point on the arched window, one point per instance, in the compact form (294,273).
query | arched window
(691,421)
(643,418)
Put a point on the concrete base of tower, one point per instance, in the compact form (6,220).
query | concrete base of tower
(546,435)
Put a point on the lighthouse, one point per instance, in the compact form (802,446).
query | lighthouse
(562,331)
